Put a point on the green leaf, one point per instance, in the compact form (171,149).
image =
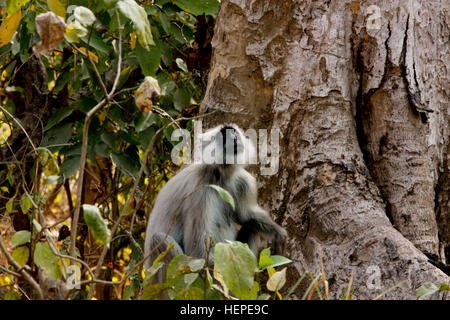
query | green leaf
(124,75)
(21,255)
(58,116)
(444,287)
(70,166)
(127,292)
(237,266)
(62,80)
(166,84)
(13,5)
(138,16)
(10,206)
(20,237)
(182,273)
(145,121)
(224,194)
(198,7)
(426,290)
(97,42)
(12,295)
(84,104)
(278,261)
(149,60)
(264,259)
(181,64)
(96,224)
(152,291)
(25,203)
(268,261)
(45,259)
(57,135)
(108,4)
(126,164)
(192,293)
(165,22)
(183,264)
(181,99)
(264,296)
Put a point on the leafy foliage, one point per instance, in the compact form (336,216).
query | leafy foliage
(235,269)
(94,54)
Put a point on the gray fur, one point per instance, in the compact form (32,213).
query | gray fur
(205,213)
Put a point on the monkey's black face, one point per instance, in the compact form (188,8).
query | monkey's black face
(232,145)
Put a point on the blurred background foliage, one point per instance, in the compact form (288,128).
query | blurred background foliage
(54,69)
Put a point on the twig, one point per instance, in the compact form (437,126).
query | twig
(294,287)
(315,287)
(133,191)
(89,117)
(20,126)
(311,286)
(389,290)
(347,294)
(6,270)
(24,274)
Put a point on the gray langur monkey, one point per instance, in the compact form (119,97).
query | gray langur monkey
(202,212)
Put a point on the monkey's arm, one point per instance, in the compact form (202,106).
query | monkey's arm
(258,221)
(255,221)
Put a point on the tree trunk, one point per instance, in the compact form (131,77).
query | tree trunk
(32,109)
(360,94)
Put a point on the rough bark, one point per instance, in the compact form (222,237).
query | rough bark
(33,109)
(364,119)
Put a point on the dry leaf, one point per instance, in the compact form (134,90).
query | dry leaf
(51,29)
(277,280)
(146,93)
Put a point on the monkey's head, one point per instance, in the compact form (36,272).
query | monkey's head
(227,145)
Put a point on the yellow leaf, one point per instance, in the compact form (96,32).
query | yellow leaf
(133,40)
(5,280)
(9,27)
(102,116)
(127,253)
(51,85)
(58,7)
(93,56)
(4,74)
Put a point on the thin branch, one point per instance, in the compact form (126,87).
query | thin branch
(6,270)
(133,191)
(20,126)
(89,117)
(24,274)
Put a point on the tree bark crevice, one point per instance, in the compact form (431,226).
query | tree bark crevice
(353,151)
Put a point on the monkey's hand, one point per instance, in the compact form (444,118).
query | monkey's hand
(279,240)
